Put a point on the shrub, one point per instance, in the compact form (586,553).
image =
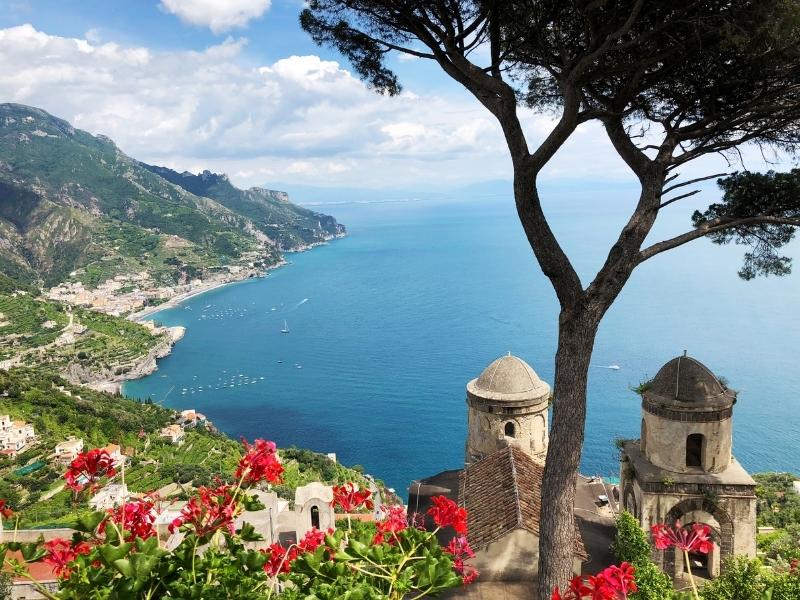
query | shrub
(741,579)
(631,545)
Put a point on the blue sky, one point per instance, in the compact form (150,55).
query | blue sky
(236,86)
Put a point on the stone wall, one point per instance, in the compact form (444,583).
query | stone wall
(665,442)
(486,430)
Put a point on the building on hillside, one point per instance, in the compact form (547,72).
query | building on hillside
(68,450)
(115,452)
(174,433)
(191,418)
(682,467)
(281,523)
(111,496)
(15,436)
(23,430)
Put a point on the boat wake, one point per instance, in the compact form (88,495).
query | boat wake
(612,367)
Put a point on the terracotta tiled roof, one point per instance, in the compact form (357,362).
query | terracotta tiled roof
(502,493)
(40,571)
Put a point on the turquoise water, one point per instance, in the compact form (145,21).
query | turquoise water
(391,322)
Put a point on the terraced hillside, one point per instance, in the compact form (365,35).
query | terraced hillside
(32,482)
(73,201)
(81,344)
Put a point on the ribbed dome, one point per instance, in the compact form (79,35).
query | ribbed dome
(688,380)
(508,378)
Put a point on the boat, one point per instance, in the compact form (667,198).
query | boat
(285,327)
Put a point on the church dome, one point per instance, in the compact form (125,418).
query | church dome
(509,379)
(687,380)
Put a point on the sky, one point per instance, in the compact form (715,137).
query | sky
(236,86)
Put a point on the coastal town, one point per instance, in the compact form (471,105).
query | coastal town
(137,294)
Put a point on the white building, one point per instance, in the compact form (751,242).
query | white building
(174,433)
(68,450)
(110,496)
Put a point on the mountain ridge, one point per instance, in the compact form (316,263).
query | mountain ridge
(73,203)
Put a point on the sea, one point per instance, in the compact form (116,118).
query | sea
(387,325)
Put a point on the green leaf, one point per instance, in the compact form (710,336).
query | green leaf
(248,533)
(111,554)
(124,566)
(88,523)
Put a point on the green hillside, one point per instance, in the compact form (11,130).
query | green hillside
(288,225)
(32,481)
(36,332)
(71,200)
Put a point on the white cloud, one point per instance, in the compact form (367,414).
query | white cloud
(300,119)
(217,15)
(93,36)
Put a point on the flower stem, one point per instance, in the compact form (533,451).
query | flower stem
(691,577)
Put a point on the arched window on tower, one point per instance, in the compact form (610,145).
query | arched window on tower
(315,516)
(694,450)
(509,429)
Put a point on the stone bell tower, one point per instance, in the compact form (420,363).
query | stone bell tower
(683,466)
(506,404)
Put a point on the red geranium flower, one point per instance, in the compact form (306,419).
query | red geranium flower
(5,511)
(138,519)
(211,509)
(613,583)
(349,497)
(446,513)
(61,553)
(312,540)
(260,463)
(279,559)
(87,469)
(460,549)
(696,539)
(393,523)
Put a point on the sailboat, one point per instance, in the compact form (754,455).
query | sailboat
(285,327)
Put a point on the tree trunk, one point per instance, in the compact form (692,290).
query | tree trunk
(577,331)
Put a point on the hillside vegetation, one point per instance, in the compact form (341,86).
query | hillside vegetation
(73,205)
(37,332)
(58,410)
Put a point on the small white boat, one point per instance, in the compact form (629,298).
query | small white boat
(614,367)
(285,327)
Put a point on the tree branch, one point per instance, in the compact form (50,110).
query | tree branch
(713,227)
(676,198)
(690,182)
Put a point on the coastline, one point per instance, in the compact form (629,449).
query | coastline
(144,314)
(148,365)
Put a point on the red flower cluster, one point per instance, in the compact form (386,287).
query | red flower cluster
(260,463)
(696,539)
(613,583)
(138,519)
(87,469)
(349,497)
(460,549)
(211,509)
(393,523)
(61,552)
(5,511)
(447,513)
(279,559)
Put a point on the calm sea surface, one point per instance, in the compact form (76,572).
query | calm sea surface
(389,324)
